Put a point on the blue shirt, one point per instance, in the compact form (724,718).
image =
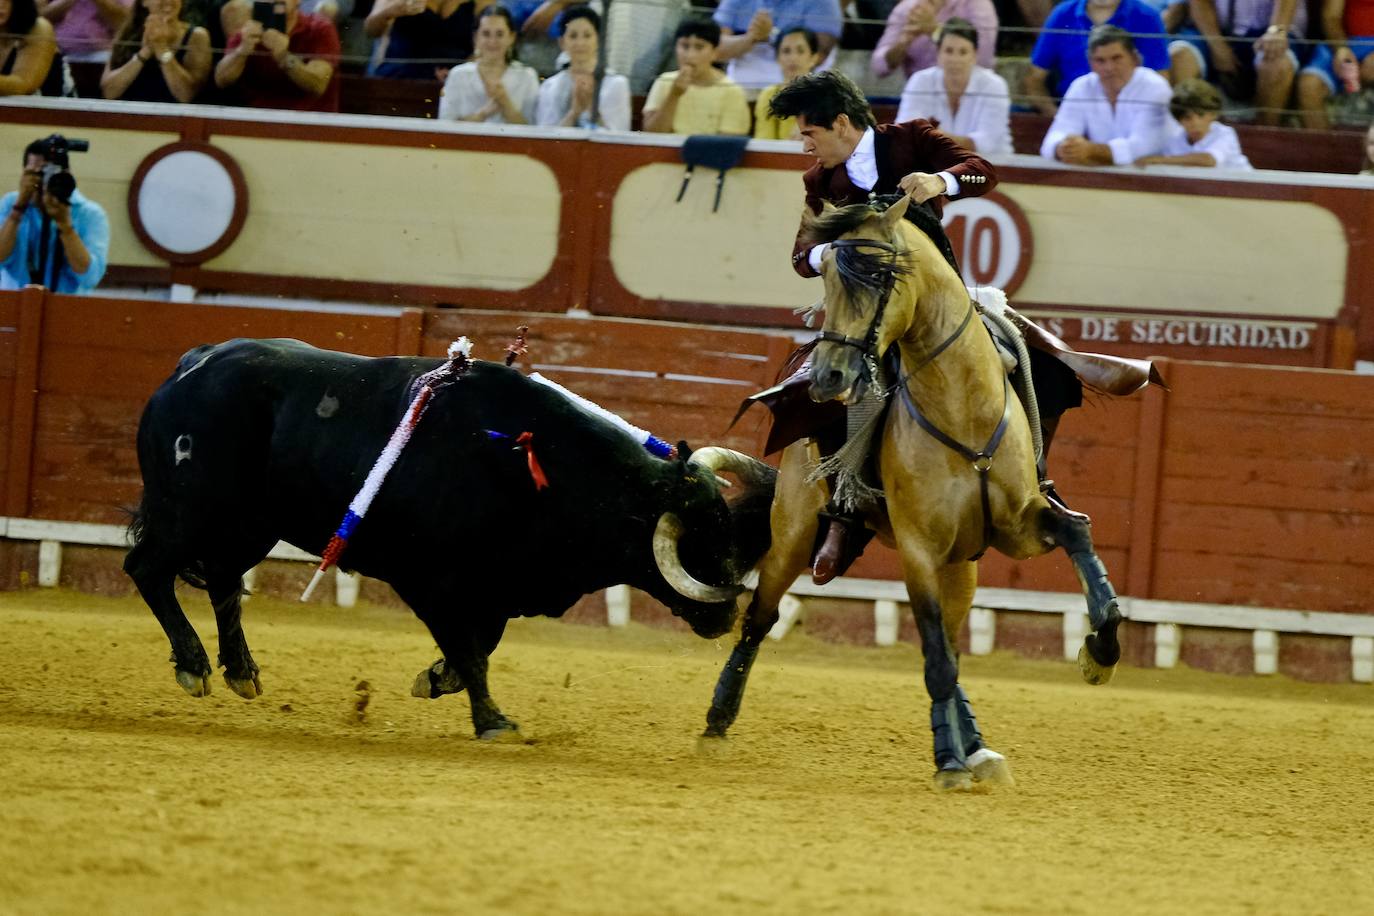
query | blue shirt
(1063,44)
(22,266)
(820,16)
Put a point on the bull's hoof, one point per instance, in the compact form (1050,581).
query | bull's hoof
(436,681)
(1093,672)
(250,688)
(197,685)
(953,779)
(990,768)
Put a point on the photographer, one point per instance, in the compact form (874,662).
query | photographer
(51,234)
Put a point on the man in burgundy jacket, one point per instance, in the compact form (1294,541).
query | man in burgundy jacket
(856,159)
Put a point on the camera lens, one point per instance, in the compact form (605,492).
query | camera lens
(59,183)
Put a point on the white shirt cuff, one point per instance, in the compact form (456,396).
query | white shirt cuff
(951,184)
(813,257)
(1121,151)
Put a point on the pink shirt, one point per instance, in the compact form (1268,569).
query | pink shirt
(82,32)
(921,52)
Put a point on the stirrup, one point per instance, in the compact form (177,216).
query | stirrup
(1058,505)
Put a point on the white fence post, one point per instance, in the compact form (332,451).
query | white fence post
(1168,639)
(49,563)
(1266,643)
(885,623)
(1075,628)
(1362,659)
(346,587)
(982,630)
(789,612)
(618,605)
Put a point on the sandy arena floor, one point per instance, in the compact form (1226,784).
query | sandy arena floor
(1167,792)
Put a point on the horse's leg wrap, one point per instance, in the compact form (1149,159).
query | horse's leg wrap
(729,693)
(1104,616)
(968,724)
(950,740)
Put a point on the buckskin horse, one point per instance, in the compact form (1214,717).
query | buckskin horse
(956,463)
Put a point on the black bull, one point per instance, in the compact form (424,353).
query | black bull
(254,441)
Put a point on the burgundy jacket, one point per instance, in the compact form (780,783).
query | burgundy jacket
(899,150)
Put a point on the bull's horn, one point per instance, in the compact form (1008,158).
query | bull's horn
(666,536)
(715,458)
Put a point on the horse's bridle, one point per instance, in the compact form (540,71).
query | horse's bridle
(868,344)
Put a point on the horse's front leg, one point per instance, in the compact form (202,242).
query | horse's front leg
(1100,651)
(947,725)
(793,522)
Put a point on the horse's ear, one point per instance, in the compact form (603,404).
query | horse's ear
(893,214)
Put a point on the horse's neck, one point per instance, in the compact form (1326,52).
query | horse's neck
(965,379)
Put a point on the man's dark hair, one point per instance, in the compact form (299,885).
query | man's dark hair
(1107,34)
(821,98)
(959,28)
(45,150)
(23,14)
(582,11)
(705,29)
(1194,96)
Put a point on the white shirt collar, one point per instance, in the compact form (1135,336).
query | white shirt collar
(862,166)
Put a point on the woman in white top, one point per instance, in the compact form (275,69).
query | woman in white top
(493,87)
(565,99)
(971,102)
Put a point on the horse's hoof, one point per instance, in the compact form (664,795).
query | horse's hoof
(712,744)
(1093,673)
(953,781)
(990,767)
(197,685)
(250,688)
(508,733)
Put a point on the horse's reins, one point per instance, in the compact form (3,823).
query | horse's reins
(980,460)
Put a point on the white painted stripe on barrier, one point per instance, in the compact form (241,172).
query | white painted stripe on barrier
(1362,659)
(1143,610)
(789,613)
(618,600)
(1168,641)
(1075,628)
(982,630)
(885,623)
(49,563)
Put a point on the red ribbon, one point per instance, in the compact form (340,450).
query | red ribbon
(526,441)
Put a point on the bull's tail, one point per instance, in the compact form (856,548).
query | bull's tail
(141,525)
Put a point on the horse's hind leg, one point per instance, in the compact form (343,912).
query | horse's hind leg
(1100,652)
(154,572)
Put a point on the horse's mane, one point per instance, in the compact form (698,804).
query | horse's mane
(863,269)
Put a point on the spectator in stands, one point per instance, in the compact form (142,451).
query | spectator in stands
(51,234)
(971,103)
(747,29)
(538,27)
(799,51)
(639,38)
(27,51)
(85,28)
(1198,138)
(1114,115)
(696,98)
(1247,52)
(565,99)
(909,39)
(158,56)
(1342,66)
(295,69)
(494,87)
(1062,47)
(425,37)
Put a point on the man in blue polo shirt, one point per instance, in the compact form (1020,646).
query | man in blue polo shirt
(1063,45)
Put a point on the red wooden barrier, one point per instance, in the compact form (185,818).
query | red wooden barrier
(1241,485)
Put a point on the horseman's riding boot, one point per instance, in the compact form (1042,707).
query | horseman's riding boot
(831,556)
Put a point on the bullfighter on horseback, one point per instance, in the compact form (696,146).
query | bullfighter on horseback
(858,161)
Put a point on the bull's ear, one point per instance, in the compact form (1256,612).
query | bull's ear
(893,214)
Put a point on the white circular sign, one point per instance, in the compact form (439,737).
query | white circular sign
(186,201)
(987,240)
